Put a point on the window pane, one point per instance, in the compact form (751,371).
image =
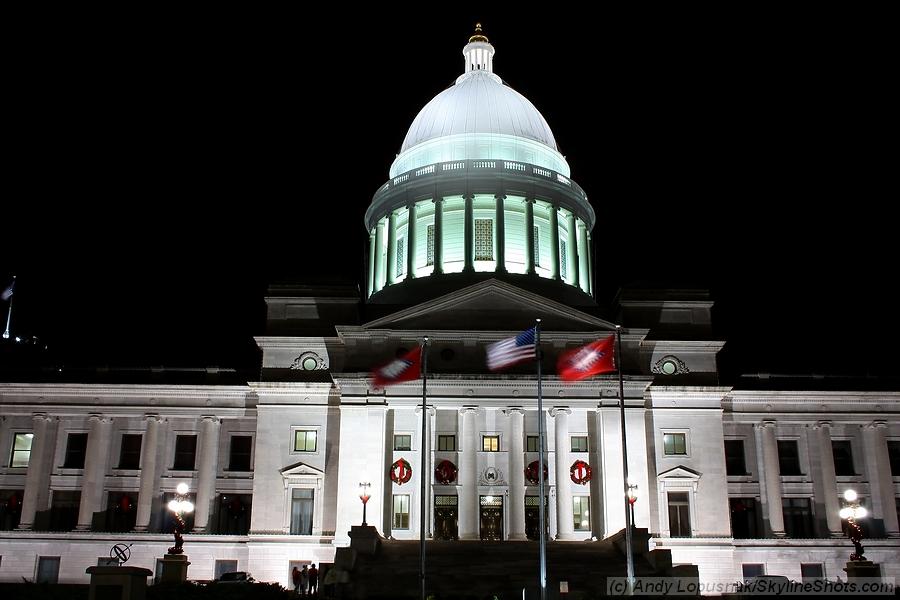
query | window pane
(185,452)
(812,571)
(491,443)
(484,239)
(21,453)
(537,246)
(48,569)
(679,515)
(734,457)
(581,512)
(429,246)
(402,442)
(130,456)
(674,444)
(752,570)
(401,254)
(788,458)
(531,443)
(843,457)
(563,260)
(894,456)
(76,446)
(447,443)
(241,448)
(579,444)
(301,511)
(401,512)
(304,441)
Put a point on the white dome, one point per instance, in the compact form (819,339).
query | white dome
(479,103)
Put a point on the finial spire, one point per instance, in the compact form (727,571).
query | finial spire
(479,36)
(479,53)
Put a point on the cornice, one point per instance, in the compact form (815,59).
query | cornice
(56,391)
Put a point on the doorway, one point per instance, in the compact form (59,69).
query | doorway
(446,517)
(532,517)
(491,520)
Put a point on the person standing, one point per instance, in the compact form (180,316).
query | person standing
(295,579)
(304,580)
(313,580)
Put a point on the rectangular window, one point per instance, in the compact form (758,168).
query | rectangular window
(490,443)
(429,246)
(579,443)
(581,512)
(531,443)
(734,457)
(225,566)
(563,260)
(185,452)
(798,518)
(64,510)
(402,442)
(401,512)
(121,509)
(47,570)
(843,457)
(301,511)
(752,570)
(484,239)
(744,518)
(304,441)
(401,254)
(447,443)
(674,444)
(10,508)
(130,454)
(894,456)
(76,447)
(679,515)
(788,458)
(537,246)
(812,572)
(233,514)
(21,452)
(239,457)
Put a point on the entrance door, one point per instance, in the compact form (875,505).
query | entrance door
(446,518)
(492,518)
(532,517)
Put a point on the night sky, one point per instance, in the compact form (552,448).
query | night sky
(161,170)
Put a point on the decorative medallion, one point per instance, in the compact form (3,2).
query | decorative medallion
(492,476)
(670,365)
(401,472)
(531,472)
(445,472)
(580,472)
(308,361)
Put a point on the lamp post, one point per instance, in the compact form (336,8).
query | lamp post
(180,505)
(632,498)
(851,513)
(364,496)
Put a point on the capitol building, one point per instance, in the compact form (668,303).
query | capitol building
(479,229)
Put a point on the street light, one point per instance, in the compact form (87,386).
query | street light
(851,513)
(364,496)
(632,498)
(180,505)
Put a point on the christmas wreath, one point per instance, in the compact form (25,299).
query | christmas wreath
(531,472)
(580,472)
(445,472)
(401,472)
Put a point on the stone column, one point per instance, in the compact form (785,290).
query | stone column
(501,232)
(207,471)
(392,248)
(371,285)
(379,256)
(554,242)
(469,234)
(411,220)
(468,477)
(565,526)
(516,473)
(881,482)
(583,274)
(35,484)
(571,249)
(149,479)
(423,468)
(529,236)
(96,459)
(772,474)
(829,482)
(438,236)
(590,262)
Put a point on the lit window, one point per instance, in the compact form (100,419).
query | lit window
(401,253)
(21,453)
(563,260)
(484,239)
(402,442)
(401,512)
(669,367)
(531,444)
(301,511)
(429,246)
(304,441)
(491,443)
(447,443)
(581,512)
(537,246)
(674,444)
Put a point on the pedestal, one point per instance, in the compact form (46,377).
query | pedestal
(174,568)
(862,569)
(364,539)
(118,583)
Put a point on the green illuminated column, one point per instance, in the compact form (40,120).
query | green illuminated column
(529,236)
(572,247)
(590,261)
(411,242)
(554,242)
(469,234)
(392,248)
(501,233)
(379,255)
(583,275)
(438,236)
(371,262)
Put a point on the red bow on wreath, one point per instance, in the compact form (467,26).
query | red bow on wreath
(125,503)
(580,472)
(445,472)
(401,472)
(531,472)
(13,503)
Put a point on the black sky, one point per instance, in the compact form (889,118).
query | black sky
(162,169)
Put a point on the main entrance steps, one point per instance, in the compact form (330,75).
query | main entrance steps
(375,568)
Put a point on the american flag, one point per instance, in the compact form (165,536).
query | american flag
(512,350)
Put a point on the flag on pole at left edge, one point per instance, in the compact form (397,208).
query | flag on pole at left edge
(8,292)
(405,368)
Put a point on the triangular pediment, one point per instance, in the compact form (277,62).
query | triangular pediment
(680,472)
(300,469)
(491,305)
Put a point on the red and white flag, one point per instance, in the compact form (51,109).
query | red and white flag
(406,368)
(581,363)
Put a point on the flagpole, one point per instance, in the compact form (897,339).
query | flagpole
(542,543)
(629,556)
(9,311)
(423,475)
